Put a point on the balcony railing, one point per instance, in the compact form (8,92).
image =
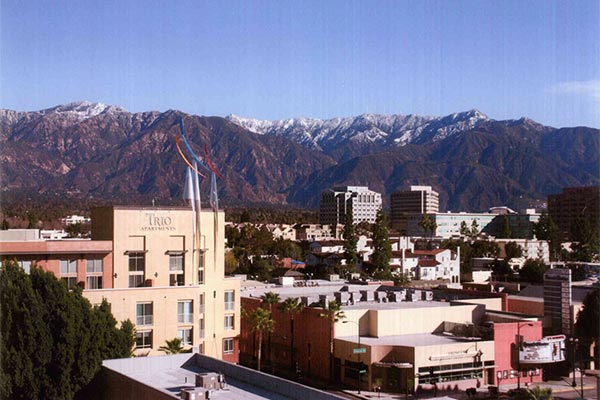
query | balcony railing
(144,320)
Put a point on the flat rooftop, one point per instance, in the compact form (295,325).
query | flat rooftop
(171,374)
(415,340)
(254,289)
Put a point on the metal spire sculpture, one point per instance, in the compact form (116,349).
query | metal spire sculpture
(192,192)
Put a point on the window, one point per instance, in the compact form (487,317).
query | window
(229,300)
(94,266)
(185,334)
(68,272)
(143,340)
(201,305)
(201,326)
(68,267)
(94,282)
(228,346)
(201,267)
(229,322)
(185,311)
(176,269)
(144,313)
(137,267)
(26,265)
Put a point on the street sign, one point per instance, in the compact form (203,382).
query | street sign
(359,350)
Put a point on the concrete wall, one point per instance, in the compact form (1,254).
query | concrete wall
(268,382)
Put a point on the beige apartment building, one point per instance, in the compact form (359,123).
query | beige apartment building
(147,263)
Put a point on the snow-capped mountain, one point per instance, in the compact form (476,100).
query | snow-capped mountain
(383,130)
(91,150)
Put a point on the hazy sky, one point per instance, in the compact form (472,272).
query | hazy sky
(281,59)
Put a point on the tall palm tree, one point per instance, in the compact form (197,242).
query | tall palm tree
(260,321)
(293,306)
(334,314)
(270,298)
(173,346)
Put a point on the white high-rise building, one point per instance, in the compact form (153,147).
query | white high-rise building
(335,203)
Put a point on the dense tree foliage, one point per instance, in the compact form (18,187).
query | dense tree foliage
(546,229)
(586,240)
(350,241)
(429,225)
(382,249)
(513,250)
(52,342)
(533,271)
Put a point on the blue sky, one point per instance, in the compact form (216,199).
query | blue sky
(321,59)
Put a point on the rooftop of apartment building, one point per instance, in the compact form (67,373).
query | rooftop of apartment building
(175,376)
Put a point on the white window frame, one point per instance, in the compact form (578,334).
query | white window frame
(146,337)
(176,269)
(229,322)
(94,282)
(145,317)
(229,297)
(186,335)
(185,311)
(139,268)
(228,346)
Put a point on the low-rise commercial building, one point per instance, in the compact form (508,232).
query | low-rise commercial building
(403,339)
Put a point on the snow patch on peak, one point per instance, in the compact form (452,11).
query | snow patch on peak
(81,110)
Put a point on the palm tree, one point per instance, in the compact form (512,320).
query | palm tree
(293,306)
(260,321)
(334,314)
(270,298)
(538,393)
(173,346)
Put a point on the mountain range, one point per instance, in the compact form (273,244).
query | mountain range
(94,151)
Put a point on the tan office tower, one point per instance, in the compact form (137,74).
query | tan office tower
(417,200)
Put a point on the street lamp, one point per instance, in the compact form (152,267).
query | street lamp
(358,350)
(519,325)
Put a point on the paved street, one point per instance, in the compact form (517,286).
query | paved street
(560,390)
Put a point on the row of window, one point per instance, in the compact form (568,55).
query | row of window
(185,311)
(143,340)
(137,269)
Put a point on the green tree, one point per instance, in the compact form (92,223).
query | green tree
(464,229)
(538,393)
(586,243)
(501,269)
(172,346)
(52,342)
(505,233)
(474,229)
(5,225)
(350,241)
(270,299)
(292,306)
(512,250)
(429,225)
(334,314)
(260,321)
(588,316)
(533,271)
(485,248)
(382,249)
(546,229)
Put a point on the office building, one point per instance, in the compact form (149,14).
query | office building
(573,204)
(417,200)
(557,300)
(336,202)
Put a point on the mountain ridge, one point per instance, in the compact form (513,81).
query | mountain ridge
(96,151)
